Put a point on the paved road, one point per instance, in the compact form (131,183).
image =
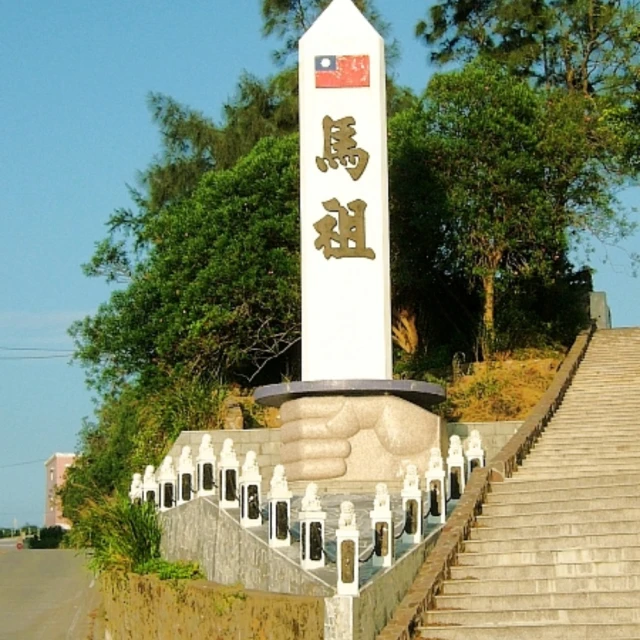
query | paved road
(44,594)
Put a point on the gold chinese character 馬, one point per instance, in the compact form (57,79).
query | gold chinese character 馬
(340,147)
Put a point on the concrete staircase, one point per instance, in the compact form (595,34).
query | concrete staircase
(556,551)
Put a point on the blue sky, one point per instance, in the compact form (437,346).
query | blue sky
(74,130)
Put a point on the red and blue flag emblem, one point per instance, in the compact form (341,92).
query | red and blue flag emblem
(338,72)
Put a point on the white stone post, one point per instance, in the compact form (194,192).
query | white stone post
(382,527)
(435,485)
(474,452)
(228,466)
(186,476)
(344,211)
(312,524)
(250,492)
(279,509)
(412,506)
(150,486)
(347,538)
(167,482)
(455,462)
(206,463)
(136,489)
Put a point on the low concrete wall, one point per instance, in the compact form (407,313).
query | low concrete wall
(494,434)
(199,531)
(145,608)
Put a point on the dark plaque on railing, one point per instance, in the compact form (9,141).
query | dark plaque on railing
(230,492)
(303,540)
(347,555)
(315,540)
(282,520)
(382,539)
(168,494)
(207,476)
(455,483)
(434,508)
(411,519)
(254,503)
(151,496)
(186,487)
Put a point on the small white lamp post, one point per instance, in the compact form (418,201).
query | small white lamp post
(412,506)
(228,466)
(347,537)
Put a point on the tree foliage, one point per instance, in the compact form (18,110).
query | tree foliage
(287,20)
(588,46)
(516,173)
(216,293)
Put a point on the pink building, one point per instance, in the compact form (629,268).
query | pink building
(56,468)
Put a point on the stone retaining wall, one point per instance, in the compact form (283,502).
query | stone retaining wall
(146,608)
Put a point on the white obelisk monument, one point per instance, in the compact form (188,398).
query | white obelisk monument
(346,314)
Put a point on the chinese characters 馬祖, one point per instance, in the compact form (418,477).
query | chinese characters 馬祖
(349,240)
(340,147)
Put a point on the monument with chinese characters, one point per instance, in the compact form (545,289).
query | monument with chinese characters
(347,411)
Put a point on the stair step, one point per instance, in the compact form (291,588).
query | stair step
(498,587)
(568,615)
(587,569)
(587,474)
(534,631)
(581,492)
(522,484)
(521,601)
(561,517)
(561,556)
(553,543)
(578,503)
(509,532)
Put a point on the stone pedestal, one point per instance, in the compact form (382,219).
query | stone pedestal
(412,506)
(279,509)
(250,492)
(347,540)
(474,452)
(435,486)
(167,484)
(382,528)
(312,519)
(455,467)
(186,476)
(228,476)
(150,486)
(206,465)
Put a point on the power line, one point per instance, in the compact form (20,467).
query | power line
(22,464)
(50,357)
(43,349)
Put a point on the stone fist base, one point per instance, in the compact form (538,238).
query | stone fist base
(356,439)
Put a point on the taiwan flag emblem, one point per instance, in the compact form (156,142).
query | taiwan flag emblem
(341,72)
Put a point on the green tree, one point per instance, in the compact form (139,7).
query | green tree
(518,171)
(588,46)
(217,289)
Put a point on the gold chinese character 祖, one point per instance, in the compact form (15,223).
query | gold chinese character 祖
(339,146)
(349,240)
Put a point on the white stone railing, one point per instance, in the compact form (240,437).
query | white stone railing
(180,481)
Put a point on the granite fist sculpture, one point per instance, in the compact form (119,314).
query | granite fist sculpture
(355,438)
